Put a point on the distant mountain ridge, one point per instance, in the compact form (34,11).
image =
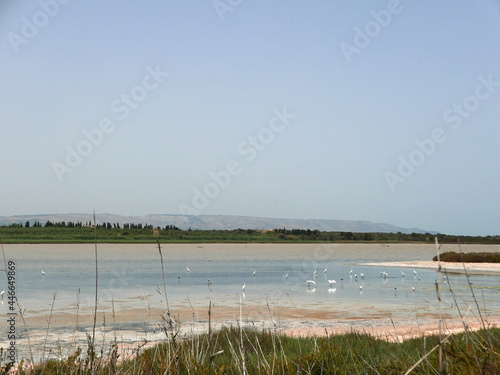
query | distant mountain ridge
(222,222)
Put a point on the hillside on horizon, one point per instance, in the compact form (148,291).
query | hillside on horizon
(218,222)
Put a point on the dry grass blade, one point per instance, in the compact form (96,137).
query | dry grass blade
(92,343)
(48,326)
(242,348)
(164,284)
(492,357)
(438,290)
(27,333)
(425,356)
(4,260)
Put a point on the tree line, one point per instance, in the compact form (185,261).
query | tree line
(171,232)
(79,224)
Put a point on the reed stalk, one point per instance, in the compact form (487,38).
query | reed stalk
(164,282)
(242,348)
(427,354)
(438,291)
(4,261)
(27,332)
(211,357)
(492,357)
(48,327)
(92,348)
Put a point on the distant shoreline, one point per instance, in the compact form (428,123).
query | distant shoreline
(152,240)
(450,267)
(189,242)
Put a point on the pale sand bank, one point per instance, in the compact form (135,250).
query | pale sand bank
(472,268)
(130,342)
(135,330)
(133,326)
(400,331)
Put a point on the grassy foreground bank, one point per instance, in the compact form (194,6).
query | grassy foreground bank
(237,350)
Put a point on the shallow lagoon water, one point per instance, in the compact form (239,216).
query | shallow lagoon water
(130,275)
(130,279)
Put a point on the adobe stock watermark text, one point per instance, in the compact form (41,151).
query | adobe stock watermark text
(31,26)
(121,107)
(363,36)
(454,118)
(249,149)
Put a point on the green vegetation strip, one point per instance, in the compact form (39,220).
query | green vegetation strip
(452,256)
(144,233)
(252,351)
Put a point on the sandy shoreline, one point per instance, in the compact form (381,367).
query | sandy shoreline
(134,328)
(64,341)
(131,342)
(452,267)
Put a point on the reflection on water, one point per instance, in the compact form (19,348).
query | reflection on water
(295,276)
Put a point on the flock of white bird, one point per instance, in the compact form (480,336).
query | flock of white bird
(332,283)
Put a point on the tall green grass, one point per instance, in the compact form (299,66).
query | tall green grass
(265,351)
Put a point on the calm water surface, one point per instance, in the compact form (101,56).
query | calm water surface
(131,275)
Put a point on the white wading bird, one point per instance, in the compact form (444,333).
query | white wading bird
(331,282)
(309,282)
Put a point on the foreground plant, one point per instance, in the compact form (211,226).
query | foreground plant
(269,352)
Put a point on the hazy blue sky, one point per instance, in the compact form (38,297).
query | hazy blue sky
(384,111)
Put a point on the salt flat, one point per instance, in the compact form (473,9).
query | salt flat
(455,267)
